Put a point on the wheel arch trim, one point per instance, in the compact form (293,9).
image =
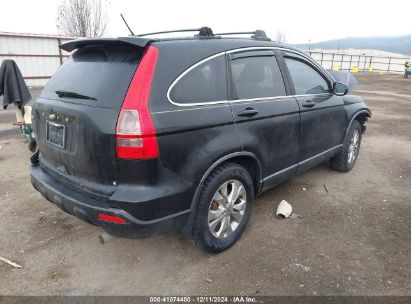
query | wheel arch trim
(189,225)
(232,156)
(355,115)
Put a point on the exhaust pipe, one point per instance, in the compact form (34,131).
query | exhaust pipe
(105,238)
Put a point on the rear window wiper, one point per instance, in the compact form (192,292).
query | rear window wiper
(73,95)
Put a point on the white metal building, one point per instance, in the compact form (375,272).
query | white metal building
(38,56)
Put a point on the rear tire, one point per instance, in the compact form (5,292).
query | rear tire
(345,160)
(224,208)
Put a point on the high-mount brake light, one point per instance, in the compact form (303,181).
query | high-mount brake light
(135,132)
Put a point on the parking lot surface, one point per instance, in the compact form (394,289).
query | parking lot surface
(354,239)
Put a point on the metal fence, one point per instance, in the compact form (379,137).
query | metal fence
(350,62)
(38,56)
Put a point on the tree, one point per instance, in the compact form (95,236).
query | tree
(281,36)
(82,18)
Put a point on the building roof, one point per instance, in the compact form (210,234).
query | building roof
(31,35)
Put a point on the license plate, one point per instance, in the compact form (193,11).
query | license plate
(55,134)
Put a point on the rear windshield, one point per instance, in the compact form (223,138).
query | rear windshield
(103,73)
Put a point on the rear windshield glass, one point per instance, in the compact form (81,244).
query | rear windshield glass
(102,73)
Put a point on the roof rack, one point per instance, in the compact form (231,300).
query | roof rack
(208,32)
(235,33)
(258,34)
(202,32)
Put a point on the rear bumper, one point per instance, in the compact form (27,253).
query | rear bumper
(87,207)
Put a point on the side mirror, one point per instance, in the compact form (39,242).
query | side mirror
(340,89)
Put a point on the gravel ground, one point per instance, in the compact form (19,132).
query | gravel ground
(353,240)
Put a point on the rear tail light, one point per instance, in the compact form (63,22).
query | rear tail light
(135,133)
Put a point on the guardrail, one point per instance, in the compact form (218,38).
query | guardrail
(356,62)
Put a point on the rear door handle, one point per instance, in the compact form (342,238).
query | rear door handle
(308,104)
(248,112)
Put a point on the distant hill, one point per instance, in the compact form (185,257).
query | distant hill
(400,45)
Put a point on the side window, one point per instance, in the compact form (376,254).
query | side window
(205,83)
(306,80)
(256,77)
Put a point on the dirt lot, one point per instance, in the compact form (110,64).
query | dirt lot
(353,240)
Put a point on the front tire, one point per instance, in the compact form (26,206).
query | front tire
(345,160)
(224,208)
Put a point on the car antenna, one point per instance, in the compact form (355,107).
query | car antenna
(132,34)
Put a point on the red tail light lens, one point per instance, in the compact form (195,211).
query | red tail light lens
(135,132)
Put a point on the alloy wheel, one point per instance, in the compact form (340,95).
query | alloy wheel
(227,209)
(354,147)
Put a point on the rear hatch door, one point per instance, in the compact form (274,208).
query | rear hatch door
(75,116)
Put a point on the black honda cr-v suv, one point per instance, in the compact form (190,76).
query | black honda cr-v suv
(144,136)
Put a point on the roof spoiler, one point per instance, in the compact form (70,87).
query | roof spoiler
(71,45)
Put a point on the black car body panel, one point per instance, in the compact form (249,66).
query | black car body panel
(274,136)
(72,45)
(86,129)
(87,207)
(326,114)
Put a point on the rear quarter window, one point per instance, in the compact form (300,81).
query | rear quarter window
(103,72)
(203,83)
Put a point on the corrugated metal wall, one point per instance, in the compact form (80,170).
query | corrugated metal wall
(38,56)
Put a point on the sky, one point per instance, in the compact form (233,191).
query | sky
(301,21)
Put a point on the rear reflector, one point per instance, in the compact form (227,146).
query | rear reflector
(111,218)
(135,133)
(129,142)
